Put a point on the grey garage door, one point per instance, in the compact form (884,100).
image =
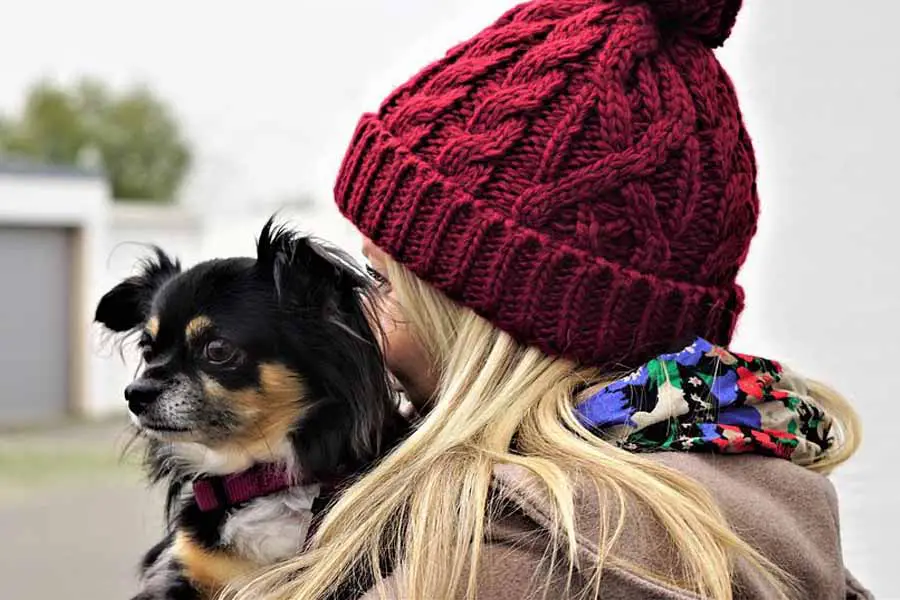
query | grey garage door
(35,292)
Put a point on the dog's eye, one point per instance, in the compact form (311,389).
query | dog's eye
(220,351)
(145,345)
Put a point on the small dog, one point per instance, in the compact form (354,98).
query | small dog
(263,389)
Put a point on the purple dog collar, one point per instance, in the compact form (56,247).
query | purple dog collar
(218,492)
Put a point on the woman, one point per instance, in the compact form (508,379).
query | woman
(556,212)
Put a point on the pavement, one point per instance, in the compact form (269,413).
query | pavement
(75,515)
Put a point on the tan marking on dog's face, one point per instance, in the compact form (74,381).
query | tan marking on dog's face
(268,413)
(196,326)
(209,570)
(153,327)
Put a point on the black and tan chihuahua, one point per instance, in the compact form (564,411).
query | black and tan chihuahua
(263,388)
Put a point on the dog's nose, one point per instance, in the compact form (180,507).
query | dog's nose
(142,393)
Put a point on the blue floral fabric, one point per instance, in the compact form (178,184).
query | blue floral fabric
(708,399)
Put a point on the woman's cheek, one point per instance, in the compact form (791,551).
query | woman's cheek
(399,351)
(405,358)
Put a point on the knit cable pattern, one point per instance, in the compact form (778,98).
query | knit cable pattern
(578,173)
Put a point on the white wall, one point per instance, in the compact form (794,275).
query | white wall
(78,202)
(51,201)
(819,83)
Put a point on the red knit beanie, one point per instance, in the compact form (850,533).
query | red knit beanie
(577,173)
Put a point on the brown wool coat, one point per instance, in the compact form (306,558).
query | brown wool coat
(786,512)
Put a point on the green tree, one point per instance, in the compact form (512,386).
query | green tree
(133,135)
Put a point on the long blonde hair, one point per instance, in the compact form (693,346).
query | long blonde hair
(428,501)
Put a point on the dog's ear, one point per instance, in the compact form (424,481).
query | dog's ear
(126,306)
(319,283)
(306,266)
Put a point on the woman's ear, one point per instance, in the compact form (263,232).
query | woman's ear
(126,306)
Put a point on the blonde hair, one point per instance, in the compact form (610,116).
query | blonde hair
(428,501)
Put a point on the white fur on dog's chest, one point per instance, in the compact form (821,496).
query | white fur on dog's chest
(271,528)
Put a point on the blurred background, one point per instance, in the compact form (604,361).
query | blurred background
(186,124)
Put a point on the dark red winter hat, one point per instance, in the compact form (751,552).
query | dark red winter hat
(577,173)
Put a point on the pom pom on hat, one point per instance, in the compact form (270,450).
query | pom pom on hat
(709,20)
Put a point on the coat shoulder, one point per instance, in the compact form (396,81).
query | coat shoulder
(786,512)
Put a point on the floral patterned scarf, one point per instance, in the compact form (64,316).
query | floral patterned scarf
(709,399)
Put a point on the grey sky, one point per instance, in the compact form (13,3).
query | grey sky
(269,90)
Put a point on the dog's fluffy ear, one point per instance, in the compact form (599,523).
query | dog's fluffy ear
(302,264)
(126,306)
